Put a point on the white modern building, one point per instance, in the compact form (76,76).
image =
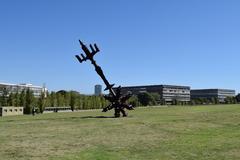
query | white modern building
(18,88)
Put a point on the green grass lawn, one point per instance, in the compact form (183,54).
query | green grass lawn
(182,133)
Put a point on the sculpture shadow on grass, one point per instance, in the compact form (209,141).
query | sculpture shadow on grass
(87,117)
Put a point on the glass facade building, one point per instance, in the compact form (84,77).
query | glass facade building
(168,93)
(98,89)
(219,94)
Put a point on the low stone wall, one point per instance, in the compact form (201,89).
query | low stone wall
(57,109)
(10,111)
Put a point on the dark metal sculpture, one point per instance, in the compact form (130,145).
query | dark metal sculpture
(117,100)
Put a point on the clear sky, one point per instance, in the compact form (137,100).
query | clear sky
(142,42)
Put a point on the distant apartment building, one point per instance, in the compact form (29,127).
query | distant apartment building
(219,94)
(168,93)
(98,89)
(18,88)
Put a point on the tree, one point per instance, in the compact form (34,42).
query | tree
(163,101)
(193,102)
(146,99)
(41,102)
(213,100)
(80,102)
(47,100)
(3,97)
(60,100)
(53,99)
(216,100)
(22,99)
(175,102)
(104,102)
(29,100)
(156,97)
(238,98)
(230,100)
(196,101)
(72,100)
(234,100)
(16,101)
(10,99)
(134,101)
(63,98)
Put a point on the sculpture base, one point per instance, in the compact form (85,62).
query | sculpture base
(118,113)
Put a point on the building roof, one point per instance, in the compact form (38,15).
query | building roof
(173,86)
(20,85)
(211,89)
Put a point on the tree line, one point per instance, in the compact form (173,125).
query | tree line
(62,98)
(77,101)
(152,99)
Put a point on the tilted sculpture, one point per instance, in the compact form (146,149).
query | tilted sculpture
(116,99)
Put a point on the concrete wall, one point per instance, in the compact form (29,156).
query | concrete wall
(10,111)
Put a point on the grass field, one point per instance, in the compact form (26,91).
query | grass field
(182,133)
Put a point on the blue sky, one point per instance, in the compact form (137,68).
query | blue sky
(187,42)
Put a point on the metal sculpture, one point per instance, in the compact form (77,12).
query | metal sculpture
(116,99)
